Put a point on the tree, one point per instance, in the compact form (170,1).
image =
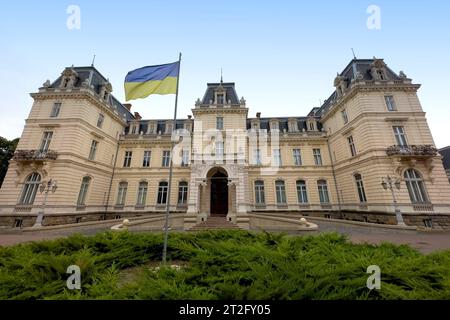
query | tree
(7,148)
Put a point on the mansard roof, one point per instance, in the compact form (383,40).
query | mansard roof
(356,67)
(229,89)
(97,81)
(445,152)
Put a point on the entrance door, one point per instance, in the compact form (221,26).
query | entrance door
(219,194)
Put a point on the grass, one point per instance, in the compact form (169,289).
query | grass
(220,265)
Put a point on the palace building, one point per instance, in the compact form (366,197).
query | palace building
(109,163)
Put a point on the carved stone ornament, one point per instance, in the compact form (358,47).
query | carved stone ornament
(242,101)
(69,72)
(47,84)
(402,75)
(198,102)
(359,76)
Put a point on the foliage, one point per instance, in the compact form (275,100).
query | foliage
(7,148)
(220,265)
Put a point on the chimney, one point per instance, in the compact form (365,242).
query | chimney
(258,114)
(127,105)
(137,115)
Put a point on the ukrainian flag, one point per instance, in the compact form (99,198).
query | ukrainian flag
(160,79)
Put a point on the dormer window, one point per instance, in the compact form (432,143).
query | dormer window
(220,98)
(381,75)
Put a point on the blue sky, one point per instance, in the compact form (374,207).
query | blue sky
(282,55)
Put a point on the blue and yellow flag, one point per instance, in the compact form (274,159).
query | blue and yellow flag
(160,79)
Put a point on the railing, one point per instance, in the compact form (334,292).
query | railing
(412,150)
(34,155)
(423,207)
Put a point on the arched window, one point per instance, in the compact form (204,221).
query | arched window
(122,193)
(302,194)
(182,192)
(162,192)
(83,191)
(259,192)
(416,188)
(30,189)
(142,193)
(280,189)
(360,187)
(322,187)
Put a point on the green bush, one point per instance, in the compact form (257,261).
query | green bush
(220,265)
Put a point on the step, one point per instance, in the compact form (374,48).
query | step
(214,223)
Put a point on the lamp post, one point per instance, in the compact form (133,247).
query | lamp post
(45,188)
(392,184)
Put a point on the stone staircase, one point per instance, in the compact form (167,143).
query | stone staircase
(215,223)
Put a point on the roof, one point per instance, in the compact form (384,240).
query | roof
(97,81)
(229,89)
(445,152)
(361,66)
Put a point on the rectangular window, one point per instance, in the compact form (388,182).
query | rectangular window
(55,110)
(147,158)
(360,187)
(400,136)
(351,144)
(219,123)
(257,154)
(220,99)
(93,150)
(259,193)
(127,159)
(166,158)
(83,191)
(185,158)
(162,193)
(323,192)
(390,103)
(317,157)
(142,194)
(122,193)
(182,193)
(302,194)
(101,118)
(277,157)
(46,139)
(344,116)
(280,192)
(219,148)
(297,157)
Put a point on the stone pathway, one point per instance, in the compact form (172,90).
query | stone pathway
(425,241)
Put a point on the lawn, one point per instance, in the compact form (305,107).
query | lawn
(220,265)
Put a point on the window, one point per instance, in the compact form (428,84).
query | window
(323,192)
(93,150)
(280,189)
(381,75)
(162,192)
(185,158)
(219,148)
(182,192)
(127,159)
(30,189)
(55,110)
(257,154)
(147,158)
(219,123)
(302,194)
(18,223)
(166,158)
(311,126)
(360,187)
(416,188)
(275,125)
(122,193)
(390,103)
(83,191)
(220,99)
(259,192)
(428,223)
(101,118)
(297,157)
(344,116)
(277,157)
(46,139)
(351,144)
(400,136)
(142,193)
(317,157)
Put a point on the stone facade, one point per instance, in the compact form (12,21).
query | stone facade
(110,163)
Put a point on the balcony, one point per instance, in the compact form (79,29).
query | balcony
(412,151)
(34,155)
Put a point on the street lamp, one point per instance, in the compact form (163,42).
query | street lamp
(392,184)
(45,188)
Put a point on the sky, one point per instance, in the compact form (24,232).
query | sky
(282,55)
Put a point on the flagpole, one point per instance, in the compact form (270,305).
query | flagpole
(169,187)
